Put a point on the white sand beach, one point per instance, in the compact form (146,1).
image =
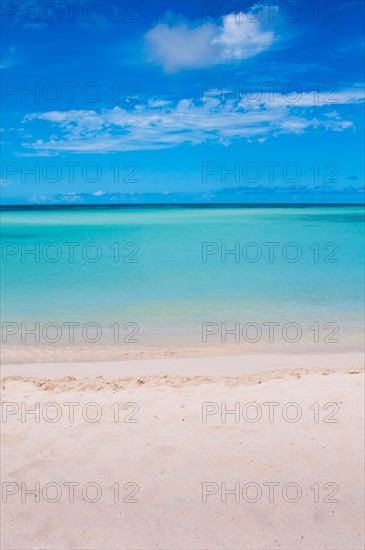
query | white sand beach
(145,454)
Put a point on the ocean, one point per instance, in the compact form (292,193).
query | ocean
(93,283)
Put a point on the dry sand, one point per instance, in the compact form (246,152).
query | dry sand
(164,459)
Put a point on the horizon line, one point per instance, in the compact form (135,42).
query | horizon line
(175,205)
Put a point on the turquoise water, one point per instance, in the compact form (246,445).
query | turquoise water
(161,286)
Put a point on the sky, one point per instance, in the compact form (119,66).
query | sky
(182,101)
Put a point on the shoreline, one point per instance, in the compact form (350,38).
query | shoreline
(212,366)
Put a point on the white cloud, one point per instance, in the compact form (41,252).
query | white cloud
(146,127)
(240,39)
(158,102)
(180,47)
(184,46)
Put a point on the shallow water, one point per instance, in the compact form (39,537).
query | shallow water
(156,275)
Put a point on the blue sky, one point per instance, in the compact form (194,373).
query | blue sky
(172,101)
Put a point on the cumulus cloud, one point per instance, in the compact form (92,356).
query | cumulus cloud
(240,39)
(185,46)
(161,125)
(180,47)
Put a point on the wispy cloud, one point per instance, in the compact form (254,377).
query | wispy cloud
(157,125)
(9,58)
(238,194)
(187,46)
